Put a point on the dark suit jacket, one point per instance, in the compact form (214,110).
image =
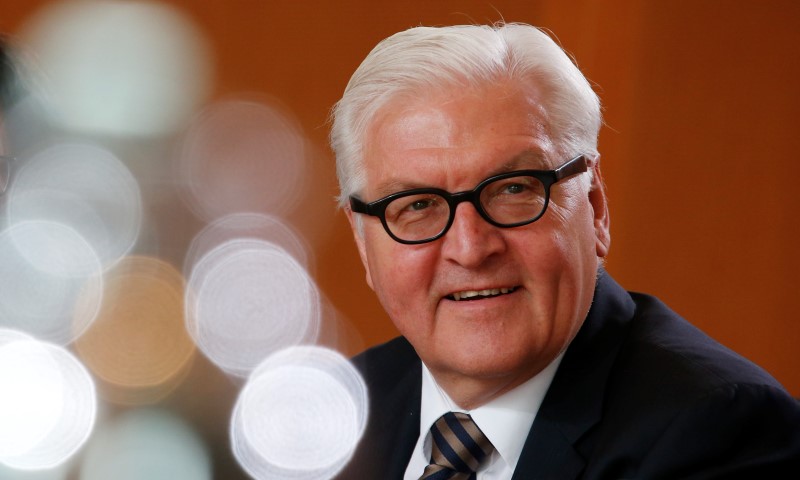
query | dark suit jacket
(640,393)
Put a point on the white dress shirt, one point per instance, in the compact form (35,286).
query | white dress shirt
(505,421)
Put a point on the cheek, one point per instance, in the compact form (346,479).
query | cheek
(561,262)
(572,227)
(401,276)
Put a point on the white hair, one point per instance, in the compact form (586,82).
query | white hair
(424,58)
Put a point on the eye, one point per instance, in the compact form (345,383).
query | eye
(417,205)
(414,207)
(521,190)
(515,188)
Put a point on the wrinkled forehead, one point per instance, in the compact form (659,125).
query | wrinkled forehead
(469,134)
(457,115)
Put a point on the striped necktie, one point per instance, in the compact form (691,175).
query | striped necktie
(458,448)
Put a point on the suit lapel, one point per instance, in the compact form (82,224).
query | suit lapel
(557,443)
(401,431)
(395,385)
(548,455)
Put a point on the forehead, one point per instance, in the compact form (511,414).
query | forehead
(456,137)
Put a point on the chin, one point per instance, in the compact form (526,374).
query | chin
(491,364)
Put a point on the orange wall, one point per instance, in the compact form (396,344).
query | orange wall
(701,103)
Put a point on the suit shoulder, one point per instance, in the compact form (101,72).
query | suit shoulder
(679,404)
(387,361)
(680,357)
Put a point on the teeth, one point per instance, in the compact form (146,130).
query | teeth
(489,292)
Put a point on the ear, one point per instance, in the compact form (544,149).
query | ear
(358,236)
(599,202)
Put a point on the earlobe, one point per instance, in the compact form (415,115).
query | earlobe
(358,236)
(601,219)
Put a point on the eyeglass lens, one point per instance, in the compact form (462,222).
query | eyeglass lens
(507,201)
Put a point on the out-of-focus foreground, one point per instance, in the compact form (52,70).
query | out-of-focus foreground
(178,294)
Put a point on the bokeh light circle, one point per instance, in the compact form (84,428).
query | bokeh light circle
(121,68)
(84,187)
(300,415)
(33,392)
(48,407)
(138,345)
(242,155)
(257,226)
(247,299)
(52,282)
(146,444)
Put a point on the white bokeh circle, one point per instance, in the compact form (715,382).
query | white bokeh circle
(49,404)
(52,282)
(247,299)
(300,415)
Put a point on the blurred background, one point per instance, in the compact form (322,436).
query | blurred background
(175,154)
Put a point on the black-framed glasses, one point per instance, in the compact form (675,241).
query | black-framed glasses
(506,200)
(5,172)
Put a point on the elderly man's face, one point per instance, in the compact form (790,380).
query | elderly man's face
(453,141)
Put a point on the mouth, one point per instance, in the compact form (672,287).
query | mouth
(468,295)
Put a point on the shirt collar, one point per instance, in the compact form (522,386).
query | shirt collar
(505,421)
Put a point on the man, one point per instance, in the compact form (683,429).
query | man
(520,357)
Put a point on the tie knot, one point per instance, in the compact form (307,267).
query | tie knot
(457,446)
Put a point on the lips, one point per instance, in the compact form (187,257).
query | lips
(479,294)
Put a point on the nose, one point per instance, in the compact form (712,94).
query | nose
(471,240)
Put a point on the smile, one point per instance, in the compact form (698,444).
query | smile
(479,294)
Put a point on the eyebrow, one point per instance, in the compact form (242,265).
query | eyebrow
(525,160)
(397,186)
